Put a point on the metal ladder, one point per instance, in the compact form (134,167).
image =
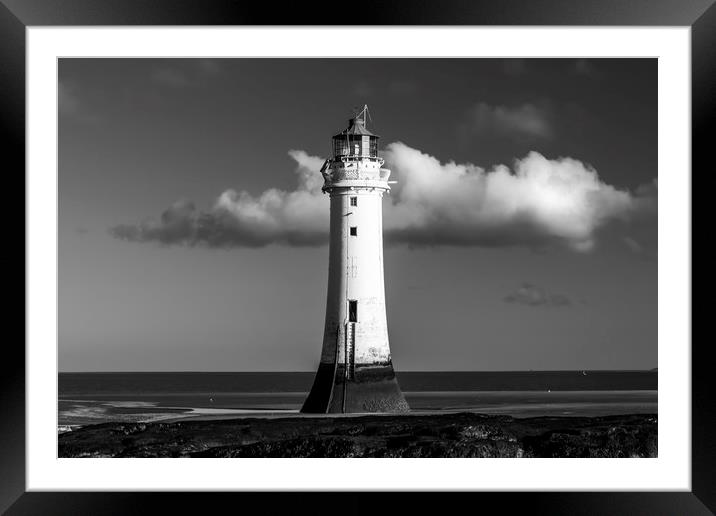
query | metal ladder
(350,350)
(349,341)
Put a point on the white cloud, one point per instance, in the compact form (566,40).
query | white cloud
(239,219)
(538,202)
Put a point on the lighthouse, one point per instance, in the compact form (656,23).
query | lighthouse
(355,373)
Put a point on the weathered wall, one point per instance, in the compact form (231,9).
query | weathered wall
(355,271)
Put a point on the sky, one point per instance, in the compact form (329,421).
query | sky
(522,232)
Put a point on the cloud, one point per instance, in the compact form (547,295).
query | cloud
(532,295)
(526,121)
(238,219)
(538,202)
(646,198)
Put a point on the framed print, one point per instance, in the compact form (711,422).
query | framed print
(464,198)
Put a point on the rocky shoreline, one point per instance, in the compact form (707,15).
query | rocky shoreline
(411,435)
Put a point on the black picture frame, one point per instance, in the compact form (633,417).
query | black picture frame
(17,15)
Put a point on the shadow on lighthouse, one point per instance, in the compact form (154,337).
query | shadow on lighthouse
(356,371)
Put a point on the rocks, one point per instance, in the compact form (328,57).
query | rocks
(413,435)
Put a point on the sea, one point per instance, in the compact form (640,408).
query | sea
(92,398)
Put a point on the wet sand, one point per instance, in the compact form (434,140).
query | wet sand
(80,410)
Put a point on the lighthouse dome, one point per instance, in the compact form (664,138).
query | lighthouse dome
(356,126)
(356,140)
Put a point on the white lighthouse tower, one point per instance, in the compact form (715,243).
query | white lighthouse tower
(356,371)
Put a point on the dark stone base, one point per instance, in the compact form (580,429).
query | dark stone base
(373,388)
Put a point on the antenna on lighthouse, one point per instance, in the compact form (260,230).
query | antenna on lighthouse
(366,115)
(363,114)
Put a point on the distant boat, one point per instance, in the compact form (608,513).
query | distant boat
(584,373)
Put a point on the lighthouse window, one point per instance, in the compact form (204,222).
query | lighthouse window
(340,147)
(365,144)
(354,201)
(352,310)
(354,230)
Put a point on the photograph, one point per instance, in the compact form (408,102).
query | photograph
(261,244)
(357,257)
